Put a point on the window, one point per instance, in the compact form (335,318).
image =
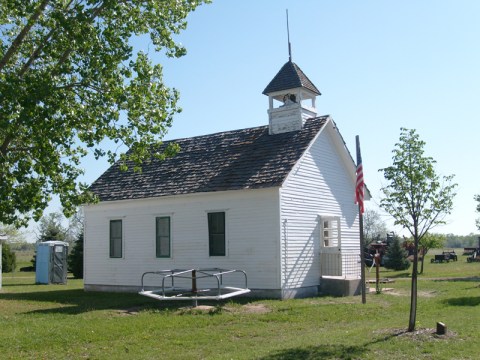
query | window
(330,231)
(216,233)
(115,238)
(162,236)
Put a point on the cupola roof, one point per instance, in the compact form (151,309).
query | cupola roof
(290,76)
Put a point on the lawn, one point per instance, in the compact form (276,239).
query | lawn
(64,322)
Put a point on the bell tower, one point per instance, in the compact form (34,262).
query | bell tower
(291,97)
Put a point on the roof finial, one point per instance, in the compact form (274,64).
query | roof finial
(289,45)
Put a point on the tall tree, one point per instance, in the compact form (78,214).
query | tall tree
(416,197)
(69,82)
(374,228)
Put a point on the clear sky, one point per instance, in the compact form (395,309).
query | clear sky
(380,65)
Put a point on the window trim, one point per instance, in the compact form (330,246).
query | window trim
(334,219)
(225,242)
(111,221)
(169,217)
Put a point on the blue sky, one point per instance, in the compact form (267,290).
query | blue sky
(380,65)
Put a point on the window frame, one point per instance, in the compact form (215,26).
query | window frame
(157,218)
(211,242)
(112,241)
(331,233)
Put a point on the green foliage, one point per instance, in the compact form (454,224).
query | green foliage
(9,259)
(13,234)
(461,241)
(50,228)
(75,258)
(415,196)
(431,241)
(69,82)
(396,256)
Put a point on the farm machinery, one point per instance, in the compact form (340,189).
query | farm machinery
(474,253)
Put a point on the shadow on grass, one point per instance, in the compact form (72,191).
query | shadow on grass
(406,275)
(463,301)
(77,301)
(330,351)
(318,352)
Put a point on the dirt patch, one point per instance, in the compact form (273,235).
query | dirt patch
(134,310)
(248,309)
(421,294)
(198,310)
(255,309)
(422,334)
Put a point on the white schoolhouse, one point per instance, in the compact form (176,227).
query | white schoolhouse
(276,201)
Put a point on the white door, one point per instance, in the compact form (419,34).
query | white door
(330,246)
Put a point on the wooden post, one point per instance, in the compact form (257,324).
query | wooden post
(377,272)
(441,328)
(194,287)
(194,281)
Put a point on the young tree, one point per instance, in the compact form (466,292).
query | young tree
(430,241)
(69,80)
(396,256)
(416,197)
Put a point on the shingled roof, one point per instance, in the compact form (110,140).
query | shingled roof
(290,76)
(233,160)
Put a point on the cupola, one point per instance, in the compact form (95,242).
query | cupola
(291,97)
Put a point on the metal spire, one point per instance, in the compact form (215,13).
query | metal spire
(288,36)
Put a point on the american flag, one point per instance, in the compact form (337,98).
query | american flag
(360,185)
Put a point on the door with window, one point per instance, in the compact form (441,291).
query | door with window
(330,246)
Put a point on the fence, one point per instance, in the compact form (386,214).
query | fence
(345,265)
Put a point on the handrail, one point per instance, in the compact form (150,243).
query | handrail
(194,275)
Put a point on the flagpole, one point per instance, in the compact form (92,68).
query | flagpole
(360,218)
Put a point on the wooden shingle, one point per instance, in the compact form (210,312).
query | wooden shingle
(233,160)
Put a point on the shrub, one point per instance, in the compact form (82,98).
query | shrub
(75,258)
(9,259)
(396,257)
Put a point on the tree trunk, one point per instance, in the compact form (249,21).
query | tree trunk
(423,261)
(413,294)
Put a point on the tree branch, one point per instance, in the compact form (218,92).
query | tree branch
(39,49)
(95,12)
(23,33)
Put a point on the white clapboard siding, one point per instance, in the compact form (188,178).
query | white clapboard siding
(320,184)
(252,226)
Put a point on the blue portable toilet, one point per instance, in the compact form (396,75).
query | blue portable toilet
(51,262)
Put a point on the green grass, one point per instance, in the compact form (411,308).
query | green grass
(455,269)
(64,322)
